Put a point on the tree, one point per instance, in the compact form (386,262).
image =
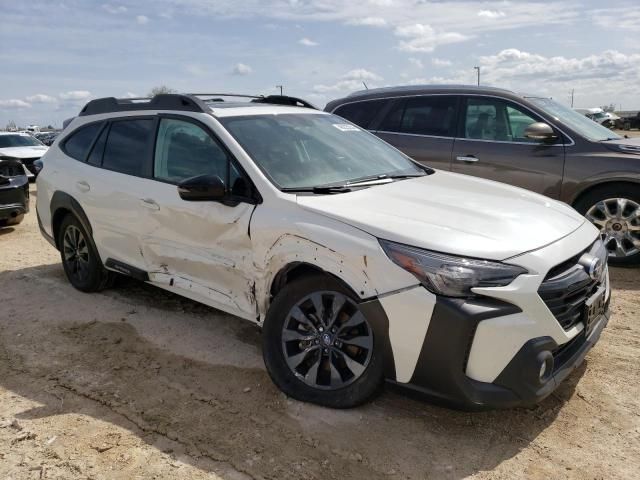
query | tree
(609,108)
(161,89)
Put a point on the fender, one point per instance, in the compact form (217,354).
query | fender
(64,201)
(291,248)
(602,179)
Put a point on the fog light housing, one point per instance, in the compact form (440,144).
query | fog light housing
(545,362)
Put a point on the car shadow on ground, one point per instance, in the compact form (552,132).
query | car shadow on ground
(6,230)
(625,278)
(105,369)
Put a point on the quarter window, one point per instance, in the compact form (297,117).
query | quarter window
(495,119)
(79,143)
(185,150)
(361,113)
(127,147)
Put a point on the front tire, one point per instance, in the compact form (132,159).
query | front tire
(615,210)
(318,347)
(80,259)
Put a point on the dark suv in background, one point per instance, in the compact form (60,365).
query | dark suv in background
(527,141)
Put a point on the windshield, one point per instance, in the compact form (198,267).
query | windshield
(7,141)
(307,150)
(574,120)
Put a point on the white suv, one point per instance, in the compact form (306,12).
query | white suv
(360,264)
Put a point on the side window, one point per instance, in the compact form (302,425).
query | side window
(361,113)
(429,115)
(423,115)
(185,150)
(495,119)
(95,157)
(127,146)
(80,141)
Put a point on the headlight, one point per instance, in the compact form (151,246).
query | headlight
(450,275)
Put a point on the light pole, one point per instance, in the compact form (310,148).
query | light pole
(478,69)
(280,87)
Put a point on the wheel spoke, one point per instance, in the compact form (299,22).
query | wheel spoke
(289,335)
(295,360)
(336,306)
(621,205)
(312,374)
(300,317)
(620,250)
(355,367)
(634,241)
(336,378)
(355,320)
(316,298)
(362,341)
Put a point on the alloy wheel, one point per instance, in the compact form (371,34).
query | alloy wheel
(619,221)
(326,340)
(76,253)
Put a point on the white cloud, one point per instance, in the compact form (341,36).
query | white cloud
(14,103)
(424,38)
(142,19)
(368,22)
(352,80)
(114,9)
(41,98)
(491,13)
(609,74)
(307,42)
(130,95)
(440,62)
(75,95)
(416,62)
(627,18)
(241,69)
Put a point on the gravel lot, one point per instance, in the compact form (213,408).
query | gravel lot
(137,383)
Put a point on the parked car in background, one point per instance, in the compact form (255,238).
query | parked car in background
(631,122)
(22,147)
(14,192)
(47,138)
(524,140)
(359,263)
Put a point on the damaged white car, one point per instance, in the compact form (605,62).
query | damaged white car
(360,264)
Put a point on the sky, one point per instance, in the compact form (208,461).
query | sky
(55,55)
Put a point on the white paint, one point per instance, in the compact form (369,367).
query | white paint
(409,313)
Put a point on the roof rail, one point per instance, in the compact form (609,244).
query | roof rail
(163,101)
(188,102)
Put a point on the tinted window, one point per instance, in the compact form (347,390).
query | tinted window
(361,113)
(95,157)
(128,146)
(18,140)
(185,150)
(424,115)
(78,144)
(495,119)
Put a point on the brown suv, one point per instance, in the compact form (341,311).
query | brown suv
(527,141)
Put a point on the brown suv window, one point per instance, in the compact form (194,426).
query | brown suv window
(425,115)
(361,113)
(495,119)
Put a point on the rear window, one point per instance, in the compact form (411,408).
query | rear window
(361,113)
(425,115)
(128,146)
(80,141)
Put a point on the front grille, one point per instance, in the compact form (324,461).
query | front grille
(11,169)
(567,287)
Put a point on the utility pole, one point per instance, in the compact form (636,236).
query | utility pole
(572,90)
(280,87)
(365,85)
(478,69)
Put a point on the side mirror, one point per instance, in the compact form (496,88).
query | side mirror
(540,131)
(203,188)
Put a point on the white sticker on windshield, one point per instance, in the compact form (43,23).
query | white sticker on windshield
(345,127)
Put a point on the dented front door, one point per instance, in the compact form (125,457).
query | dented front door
(202,249)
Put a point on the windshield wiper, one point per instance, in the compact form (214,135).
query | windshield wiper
(348,186)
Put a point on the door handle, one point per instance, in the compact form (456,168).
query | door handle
(467,158)
(83,186)
(149,203)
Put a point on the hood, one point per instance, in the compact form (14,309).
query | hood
(624,145)
(452,213)
(24,152)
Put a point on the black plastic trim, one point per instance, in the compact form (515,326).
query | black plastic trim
(168,101)
(62,200)
(127,269)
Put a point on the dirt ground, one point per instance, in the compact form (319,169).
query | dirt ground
(135,382)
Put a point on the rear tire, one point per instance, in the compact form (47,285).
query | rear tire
(331,370)
(80,258)
(615,210)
